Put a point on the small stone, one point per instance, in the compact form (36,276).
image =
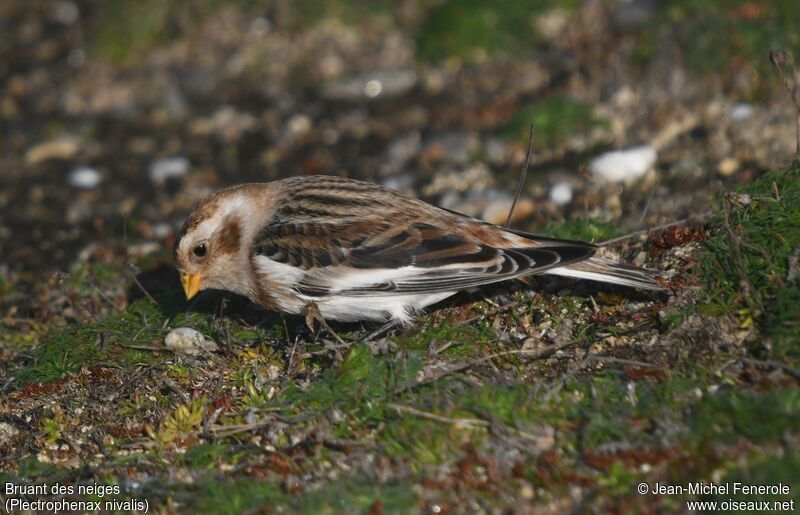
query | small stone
(403,183)
(382,346)
(624,165)
(168,168)
(739,199)
(474,179)
(260,27)
(7,431)
(631,15)
(66,12)
(561,193)
(230,124)
(400,152)
(84,178)
(551,24)
(64,147)
(454,147)
(526,492)
(728,166)
(140,250)
(76,57)
(380,84)
(535,345)
(186,340)
(298,125)
(496,151)
(741,111)
(161,230)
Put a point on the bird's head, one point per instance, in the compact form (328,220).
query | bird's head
(212,250)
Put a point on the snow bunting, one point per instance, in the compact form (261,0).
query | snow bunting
(353,250)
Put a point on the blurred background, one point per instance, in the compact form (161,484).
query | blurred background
(117,116)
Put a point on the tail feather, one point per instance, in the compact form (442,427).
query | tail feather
(608,271)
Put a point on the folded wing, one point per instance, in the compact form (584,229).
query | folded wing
(376,257)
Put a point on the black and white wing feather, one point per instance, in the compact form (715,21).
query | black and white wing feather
(378,258)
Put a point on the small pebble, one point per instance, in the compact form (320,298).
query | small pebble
(298,125)
(168,168)
(64,147)
(66,12)
(186,340)
(624,165)
(741,111)
(561,193)
(400,152)
(84,178)
(383,83)
(496,150)
(728,166)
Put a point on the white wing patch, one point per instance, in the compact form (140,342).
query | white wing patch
(286,275)
(402,308)
(349,308)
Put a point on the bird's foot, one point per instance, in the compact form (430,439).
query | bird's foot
(312,314)
(385,328)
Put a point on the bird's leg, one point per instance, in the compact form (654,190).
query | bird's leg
(312,313)
(385,328)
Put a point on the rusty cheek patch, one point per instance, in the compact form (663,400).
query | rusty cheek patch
(229,238)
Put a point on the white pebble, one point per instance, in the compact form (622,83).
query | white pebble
(561,193)
(84,178)
(188,341)
(168,168)
(741,111)
(373,88)
(66,13)
(624,165)
(298,125)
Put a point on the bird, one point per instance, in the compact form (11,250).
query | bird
(340,249)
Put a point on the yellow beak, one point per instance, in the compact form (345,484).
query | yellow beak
(191,285)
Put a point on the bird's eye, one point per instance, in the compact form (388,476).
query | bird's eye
(200,250)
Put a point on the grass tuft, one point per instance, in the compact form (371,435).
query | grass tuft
(746,263)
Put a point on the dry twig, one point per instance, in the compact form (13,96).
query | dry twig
(521,182)
(702,217)
(463,422)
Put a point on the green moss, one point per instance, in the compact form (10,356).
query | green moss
(768,470)
(718,35)
(107,341)
(747,273)
(583,229)
(555,120)
(356,497)
(761,417)
(461,339)
(232,496)
(210,455)
(307,13)
(465,28)
(250,495)
(125,30)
